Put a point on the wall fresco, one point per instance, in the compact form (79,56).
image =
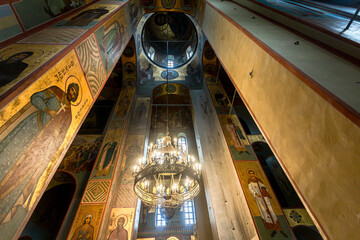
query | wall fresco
(96,192)
(90,59)
(80,159)
(220,99)
(101,179)
(88,17)
(121,224)
(45,10)
(111,39)
(19,60)
(35,128)
(9,26)
(54,36)
(236,138)
(262,201)
(87,222)
(106,160)
(298,216)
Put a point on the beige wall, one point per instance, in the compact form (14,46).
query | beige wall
(317,145)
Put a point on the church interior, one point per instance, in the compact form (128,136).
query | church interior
(179,119)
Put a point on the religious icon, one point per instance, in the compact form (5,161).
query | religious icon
(12,67)
(223,102)
(31,142)
(85,231)
(123,106)
(236,135)
(106,158)
(86,17)
(262,197)
(112,40)
(119,233)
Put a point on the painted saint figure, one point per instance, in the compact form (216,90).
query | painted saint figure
(119,233)
(12,67)
(106,158)
(112,40)
(222,101)
(86,17)
(236,135)
(262,197)
(85,231)
(26,151)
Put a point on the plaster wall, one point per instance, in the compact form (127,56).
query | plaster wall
(316,144)
(229,216)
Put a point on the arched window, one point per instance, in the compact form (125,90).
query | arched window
(151,53)
(182,142)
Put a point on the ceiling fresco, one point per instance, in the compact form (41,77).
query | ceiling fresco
(151,75)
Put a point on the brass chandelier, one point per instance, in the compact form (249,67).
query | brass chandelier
(168,176)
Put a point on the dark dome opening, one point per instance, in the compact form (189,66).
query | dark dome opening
(169,39)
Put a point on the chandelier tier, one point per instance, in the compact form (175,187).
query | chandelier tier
(168,176)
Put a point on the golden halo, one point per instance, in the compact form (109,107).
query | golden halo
(87,213)
(36,53)
(117,219)
(73,79)
(248,169)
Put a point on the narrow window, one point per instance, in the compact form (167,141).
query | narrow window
(189,212)
(160,221)
(182,142)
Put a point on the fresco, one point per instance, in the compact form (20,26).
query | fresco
(87,222)
(19,60)
(82,153)
(54,36)
(9,26)
(111,39)
(134,150)
(90,59)
(140,115)
(88,17)
(236,138)
(45,10)
(106,160)
(96,192)
(298,216)
(121,224)
(262,201)
(220,99)
(35,128)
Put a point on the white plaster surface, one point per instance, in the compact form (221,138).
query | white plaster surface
(338,76)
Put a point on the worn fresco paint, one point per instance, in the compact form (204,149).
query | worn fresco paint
(106,160)
(45,10)
(298,216)
(80,158)
(88,17)
(121,223)
(54,36)
(220,99)
(262,201)
(35,128)
(236,138)
(19,60)
(87,221)
(96,192)
(90,59)
(102,177)
(184,6)
(9,25)
(111,39)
